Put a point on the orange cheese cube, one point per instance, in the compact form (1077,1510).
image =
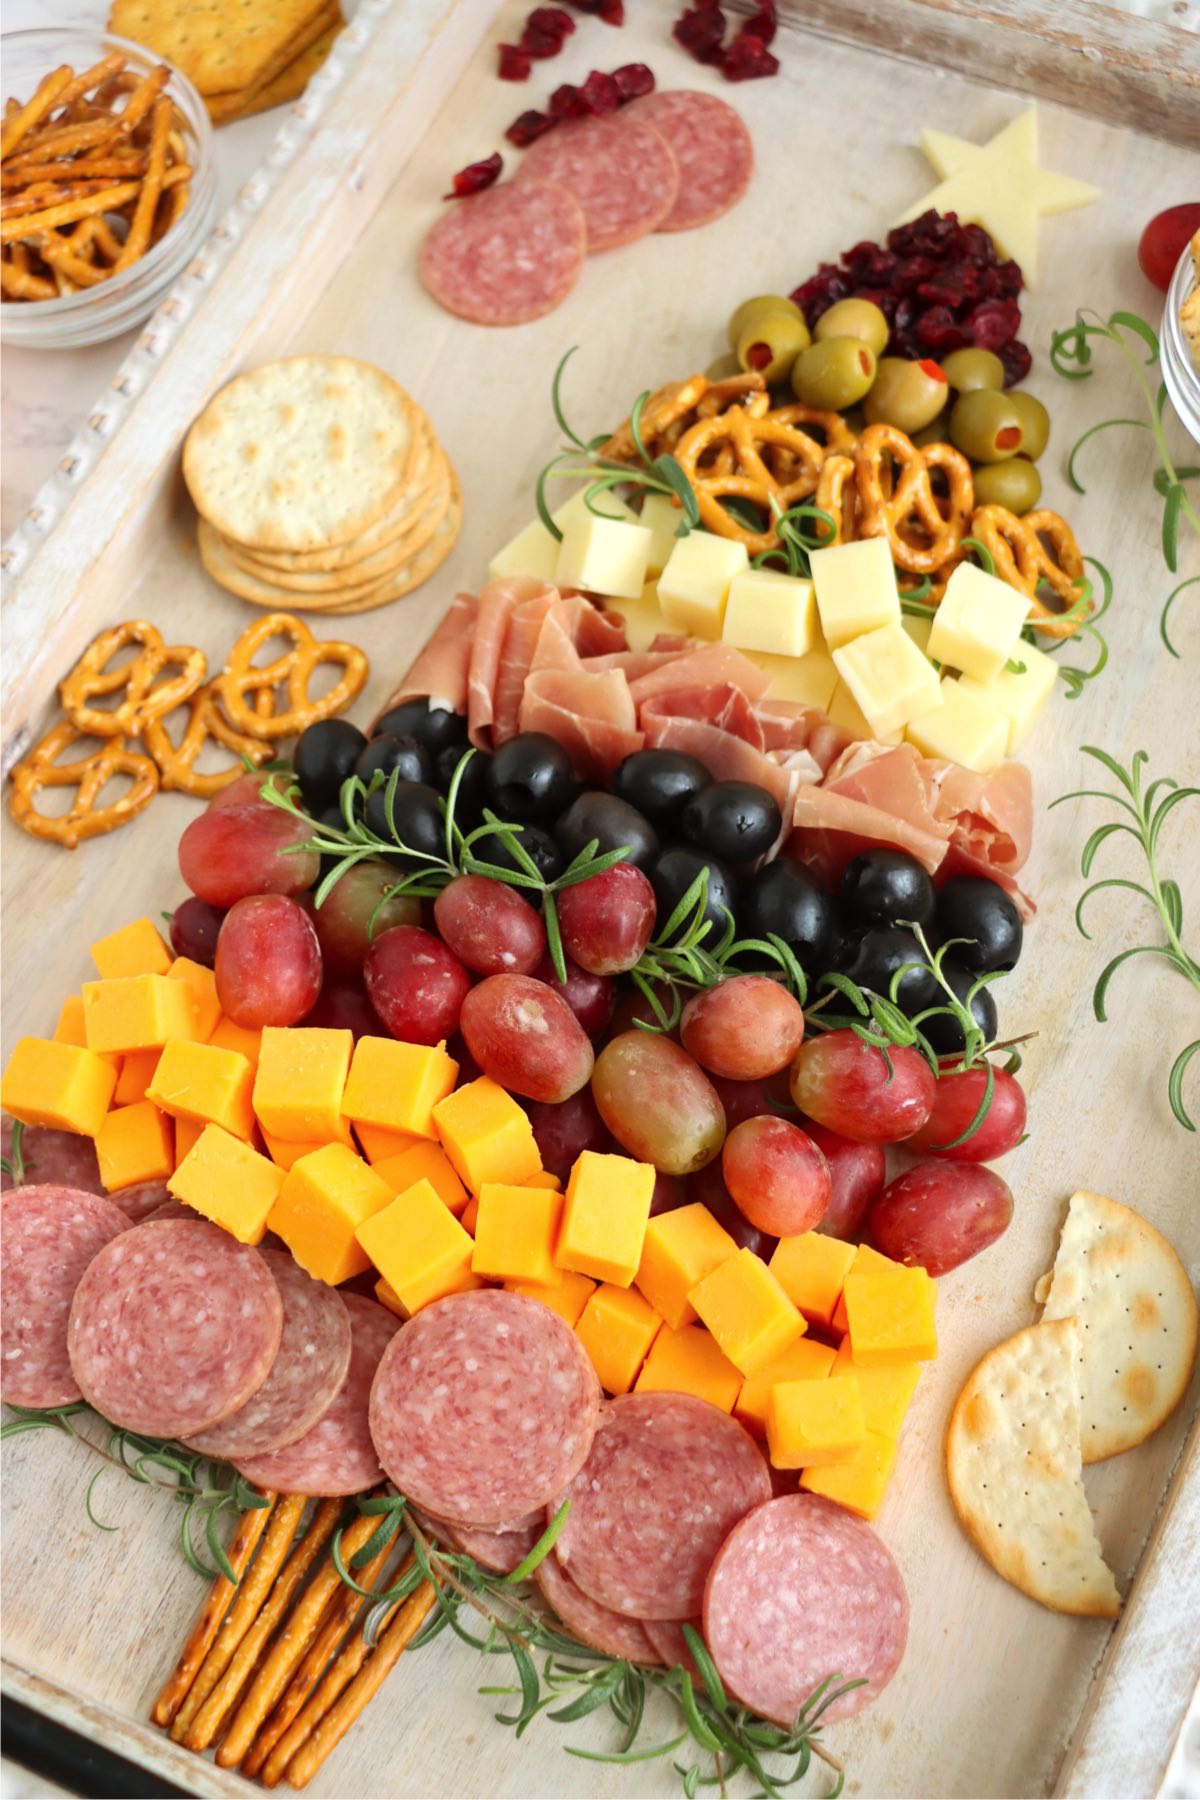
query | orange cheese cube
(70,1028)
(299,1083)
(397,1085)
(227,1181)
(886,1391)
(199,1081)
(469,1216)
(486,1135)
(813,1423)
(861,1481)
(810,1269)
(690,1362)
(544,1179)
(805,1360)
(135,1143)
(567,1299)
(51,1083)
(605,1216)
(137,1012)
(187,1133)
(423,1161)
(747,1311)
(681,1247)
(325,1197)
(864,1258)
(137,1072)
(387,1295)
(890,1312)
(617,1328)
(137,949)
(417,1245)
(201,984)
(516,1230)
(378,1145)
(283,1154)
(245,1038)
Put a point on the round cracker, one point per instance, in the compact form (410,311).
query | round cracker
(421,568)
(301,454)
(217,559)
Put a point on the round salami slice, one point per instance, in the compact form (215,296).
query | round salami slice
(336,1455)
(309,1368)
(50,1158)
(484,1407)
(594,1625)
(501,1551)
(801,1590)
(670,1645)
(48,1236)
(620,170)
(667,1478)
(710,144)
(144,1200)
(507,255)
(173,1327)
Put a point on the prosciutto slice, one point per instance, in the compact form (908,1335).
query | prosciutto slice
(708,666)
(590,714)
(497,603)
(991,818)
(870,795)
(440,669)
(516,658)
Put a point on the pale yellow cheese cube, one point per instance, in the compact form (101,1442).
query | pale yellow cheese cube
(663,518)
(806,680)
(694,586)
(1020,697)
(643,617)
(603,555)
(918,627)
(888,677)
(978,622)
(843,709)
(771,612)
(534,551)
(856,589)
(963,728)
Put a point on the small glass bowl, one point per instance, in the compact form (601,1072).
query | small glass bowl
(1178,370)
(116,305)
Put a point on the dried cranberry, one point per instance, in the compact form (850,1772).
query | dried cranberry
(540,44)
(747,59)
(633,80)
(994,323)
(1017,362)
(869,265)
(904,312)
(912,271)
(476,176)
(978,244)
(1011,279)
(611,11)
(555,20)
(762,24)
(601,93)
(938,330)
(701,33)
(954,285)
(818,293)
(926,235)
(567,102)
(514,63)
(526,127)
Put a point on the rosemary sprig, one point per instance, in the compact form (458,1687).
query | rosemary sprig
(14,1163)
(1146,816)
(797,539)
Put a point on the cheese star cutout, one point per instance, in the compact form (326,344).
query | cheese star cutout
(999,185)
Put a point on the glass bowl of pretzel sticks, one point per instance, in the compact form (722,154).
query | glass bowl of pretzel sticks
(107,185)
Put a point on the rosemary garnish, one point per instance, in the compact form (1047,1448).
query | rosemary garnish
(14,1163)
(1146,817)
(797,539)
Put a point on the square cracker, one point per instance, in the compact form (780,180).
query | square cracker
(220,45)
(287,75)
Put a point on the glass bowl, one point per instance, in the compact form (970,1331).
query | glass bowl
(111,307)
(1178,370)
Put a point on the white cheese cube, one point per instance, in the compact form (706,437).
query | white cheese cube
(978,622)
(844,710)
(918,628)
(856,589)
(771,612)
(694,586)
(663,518)
(534,551)
(963,728)
(806,680)
(603,556)
(643,618)
(1019,697)
(888,677)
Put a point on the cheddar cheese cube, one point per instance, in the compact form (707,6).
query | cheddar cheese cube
(387,1295)
(70,1027)
(617,1328)
(229,1183)
(135,1143)
(964,727)
(424,1161)
(245,1038)
(486,1135)
(201,984)
(680,1248)
(323,1200)
(137,1012)
(417,1245)
(747,1311)
(804,1360)
(603,555)
(378,1145)
(891,1316)
(199,1081)
(694,586)
(860,1482)
(855,589)
(844,710)
(137,1072)
(568,1298)
(300,1081)
(811,1269)
(977,625)
(469,1215)
(662,516)
(136,949)
(604,1217)
(864,1258)
(396,1086)
(811,1424)
(187,1134)
(888,678)
(690,1362)
(771,612)
(534,551)
(50,1083)
(1019,694)
(808,680)
(643,617)
(516,1230)
(544,1179)
(886,1392)
(284,1154)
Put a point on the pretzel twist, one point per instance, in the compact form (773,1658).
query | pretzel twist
(205,721)
(896,499)
(293,671)
(89,775)
(146,697)
(748,435)
(838,496)
(1039,547)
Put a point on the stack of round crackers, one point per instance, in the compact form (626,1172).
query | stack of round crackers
(321,487)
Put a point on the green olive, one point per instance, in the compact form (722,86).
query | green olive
(1036,422)
(986,426)
(834,373)
(723,367)
(856,319)
(909,395)
(1015,484)
(933,433)
(967,370)
(753,309)
(770,345)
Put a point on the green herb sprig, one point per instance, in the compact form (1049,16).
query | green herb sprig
(800,530)
(14,1163)
(1146,816)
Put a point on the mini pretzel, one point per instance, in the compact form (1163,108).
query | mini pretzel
(897,501)
(1027,551)
(293,670)
(751,438)
(838,495)
(206,719)
(838,439)
(89,775)
(146,697)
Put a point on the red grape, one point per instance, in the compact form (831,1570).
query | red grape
(590,997)
(268,963)
(957,1099)
(841,1082)
(940,1215)
(343,1006)
(606,921)
(777,1176)
(745,1028)
(857,1173)
(670,1191)
(707,1186)
(658,1103)
(238,850)
(1164,241)
(247,790)
(566,1128)
(753,1099)
(354,913)
(633,1005)
(194,928)
(489,926)
(416,985)
(526,1037)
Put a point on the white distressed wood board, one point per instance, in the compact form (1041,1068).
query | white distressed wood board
(993,1687)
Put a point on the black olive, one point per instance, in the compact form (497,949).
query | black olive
(886,887)
(415,820)
(784,898)
(945,1032)
(659,783)
(540,845)
(971,906)
(733,820)
(389,752)
(472,794)
(876,958)
(324,756)
(672,876)
(530,779)
(432,726)
(613,823)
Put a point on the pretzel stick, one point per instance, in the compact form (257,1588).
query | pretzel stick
(67,262)
(108,201)
(83,168)
(44,195)
(34,110)
(23,284)
(65,140)
(142,99)
(106,239)
(251,1526)
(147,202)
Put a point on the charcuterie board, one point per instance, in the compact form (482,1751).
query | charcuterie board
(996,1695)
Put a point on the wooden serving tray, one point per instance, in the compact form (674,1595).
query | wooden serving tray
(997,1696)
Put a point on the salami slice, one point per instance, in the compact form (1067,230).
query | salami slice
(173,1327)
(484,1407)
(48,1236)
(310,1366)
(801,1590)
(51,1158)
(710,144)
(507,255)
(502,1551)
(667,1478)
(336,1455)
(620,170)
(670,1645)
(594,1625)
(143,1200)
